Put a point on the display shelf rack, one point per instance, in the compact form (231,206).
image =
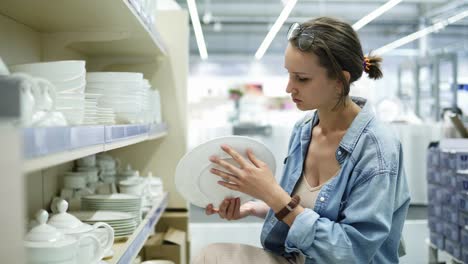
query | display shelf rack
(125,252)
(48,146)
(94,28)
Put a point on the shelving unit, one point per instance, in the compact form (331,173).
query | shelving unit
(94,28)
(110,36)
(125,252)
(434,254)
(46,147)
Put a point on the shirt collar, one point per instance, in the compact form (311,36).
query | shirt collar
(358,125)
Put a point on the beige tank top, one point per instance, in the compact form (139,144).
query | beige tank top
(307,193)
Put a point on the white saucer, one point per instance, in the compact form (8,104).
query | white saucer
(198,185)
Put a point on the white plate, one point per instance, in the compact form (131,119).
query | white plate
(198,185)
(102,216)
(115,196)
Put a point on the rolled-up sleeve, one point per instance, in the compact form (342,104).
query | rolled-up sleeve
(366,220)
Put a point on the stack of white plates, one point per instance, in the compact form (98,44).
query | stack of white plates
(124,224)
(114,202)
(91,109)
(69,79)
(124,92)
(106,116)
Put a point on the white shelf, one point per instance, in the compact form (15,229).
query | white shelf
(125,252)
(99,28)
(46,147)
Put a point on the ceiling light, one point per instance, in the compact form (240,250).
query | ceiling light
(376,13)
(197,29)
(421,33)
(275,28)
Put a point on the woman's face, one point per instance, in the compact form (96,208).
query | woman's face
(308,84)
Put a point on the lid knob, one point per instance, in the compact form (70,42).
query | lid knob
(62,206)
(42,216)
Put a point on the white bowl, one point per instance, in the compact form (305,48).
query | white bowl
(134,84)
(74,181)
(71,95)
(71,84)
(113,76)
(74,90)
(70,102)
(54,70)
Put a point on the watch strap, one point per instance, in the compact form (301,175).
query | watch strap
(295,200)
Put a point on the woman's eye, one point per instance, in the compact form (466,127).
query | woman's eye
(301,79)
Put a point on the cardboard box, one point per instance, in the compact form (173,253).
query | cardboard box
(170,246)
(177,220)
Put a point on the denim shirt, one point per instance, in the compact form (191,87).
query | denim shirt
(359,214)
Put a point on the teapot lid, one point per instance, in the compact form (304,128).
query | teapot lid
(43,232)
(66,222)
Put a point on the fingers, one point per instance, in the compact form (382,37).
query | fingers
(231,186)
(233,169)
(226,176)
(209,210)
(237,208)
(258,163)
(223,208)
(231,209)
(236,156)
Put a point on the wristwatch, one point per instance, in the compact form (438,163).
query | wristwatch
(295,200)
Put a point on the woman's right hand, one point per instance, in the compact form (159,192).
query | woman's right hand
(231,209)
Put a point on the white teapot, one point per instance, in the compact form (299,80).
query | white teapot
(27,101)
(89,253)
(44,94)
(46,244)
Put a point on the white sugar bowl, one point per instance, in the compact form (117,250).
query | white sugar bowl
(68,224)
(46,244)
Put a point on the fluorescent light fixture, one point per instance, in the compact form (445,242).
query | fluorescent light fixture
(197,29)
(376,13)
(421,33)
(275,28)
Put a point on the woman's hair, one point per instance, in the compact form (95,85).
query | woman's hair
(338,47)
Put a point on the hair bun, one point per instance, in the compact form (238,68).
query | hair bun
(371,66)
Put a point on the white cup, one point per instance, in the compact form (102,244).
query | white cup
(88,161)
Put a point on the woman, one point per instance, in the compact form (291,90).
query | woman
(344,169)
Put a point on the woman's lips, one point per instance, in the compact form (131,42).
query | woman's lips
(296,100)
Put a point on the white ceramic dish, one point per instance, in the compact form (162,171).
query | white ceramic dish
(101,216)
(116,196)
(71,85)
(113,76)
(54,70)
(198,185)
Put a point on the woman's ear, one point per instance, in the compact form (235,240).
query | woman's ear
(339,83)
(347,76)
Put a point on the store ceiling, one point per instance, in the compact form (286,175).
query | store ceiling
(237,27)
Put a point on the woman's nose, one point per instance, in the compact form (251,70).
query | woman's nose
(289,87)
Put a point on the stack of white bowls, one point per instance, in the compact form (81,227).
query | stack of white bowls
(69,78)
(124,92)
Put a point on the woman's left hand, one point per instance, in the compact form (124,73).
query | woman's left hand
(253,178)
